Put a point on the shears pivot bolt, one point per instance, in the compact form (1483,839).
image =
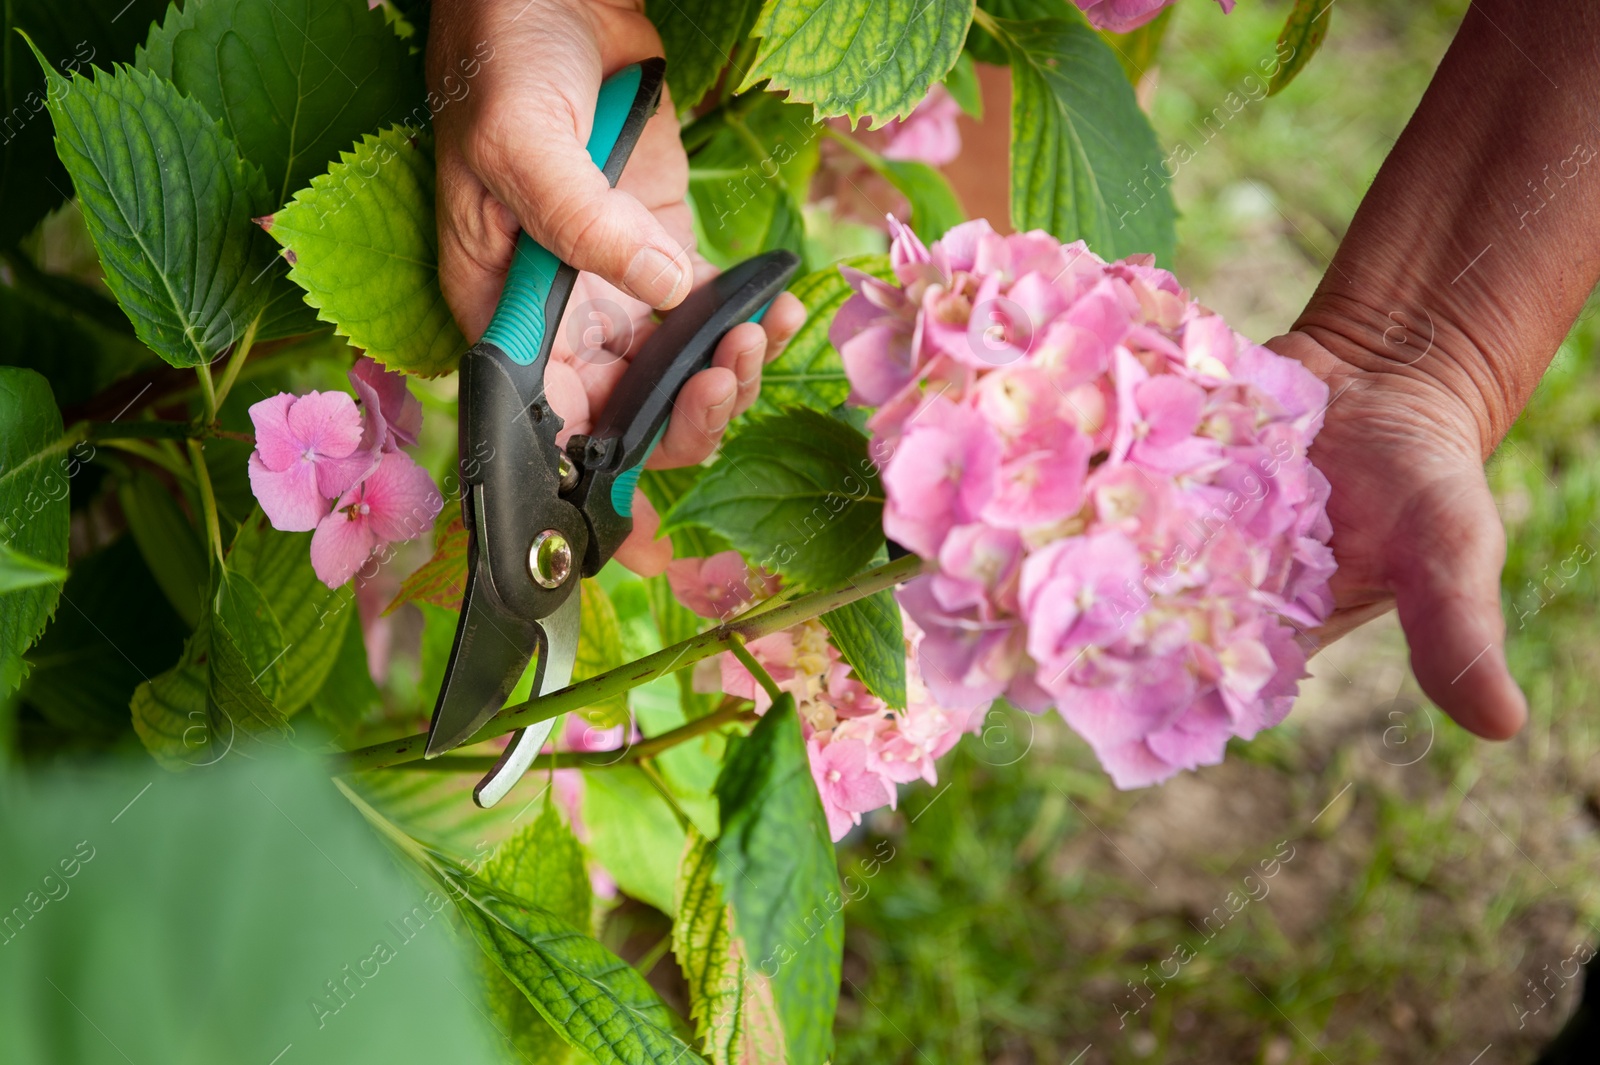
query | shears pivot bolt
(550,559)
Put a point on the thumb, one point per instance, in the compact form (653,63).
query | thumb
(1449,550)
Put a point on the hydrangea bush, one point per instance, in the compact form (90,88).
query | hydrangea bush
(1023,469)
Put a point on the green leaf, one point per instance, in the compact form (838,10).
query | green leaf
(962,84)
(1085,164)
(365,247)
(599,650)
(542,863)
(934,207)
(37,463)
(749,169)
(70,347)
(778,872)
(730,1002)
(71,33)
(19,571)
(112,630)
(1138,50)
(244,672)
(348,694)
(869,636)
(699,37)
(858,57)
(169,543)
(311,616)
(797,494)
(293,81)
(985,49)
(676,623)
(172,716)
(809,373)
(139,893)
(167,201)
(632,833)
(664,488)
(1302,35)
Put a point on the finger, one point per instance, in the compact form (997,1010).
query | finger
(642,552)
(699,415)
(539,168)
(1447,590)
(781,322)
(742,353)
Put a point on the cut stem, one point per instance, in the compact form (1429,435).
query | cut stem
(667,660)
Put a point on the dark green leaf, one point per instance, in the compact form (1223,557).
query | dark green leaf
(934,207)
(858,57)
(633,833)
(1302,35)
(168,542)
(699,37)
(254,890)
(37,463)
(70,346)
(985,49)
(797,494)
(348,694)
(869,636)
(962,84)
(664,488)
(1085,164)
(71,34)
(809,373)
(777,870)
(168,202)
(749,169)
(294,81)
(364,245)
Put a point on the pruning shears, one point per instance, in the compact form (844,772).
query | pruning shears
(539,518)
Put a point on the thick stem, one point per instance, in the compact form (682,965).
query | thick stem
(208,500)
(667,660)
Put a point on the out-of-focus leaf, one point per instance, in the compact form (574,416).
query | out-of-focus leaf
(599,650)
(934,207)
(1302,35)
(19,571)
(76,353)
(985,49)
(699,36)
(244,673)
(1138,51)
(748,172)
(442,579)
(677,623)
(632,833)
(168,542)
(348,693)
(962,85)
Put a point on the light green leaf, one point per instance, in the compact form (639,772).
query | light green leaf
(858,57)
(777,870)
(676,623)
(363,243)
(37,463)
(348,693)
(632,833)
(244,673)
(748,174)
(797,494)
(311,616)
(809,373)
(962,84)
(934,207)
(730,1002)
(168,542)
(599,650)
(1085,164)
(19,571)
(664,488)
(869,636)
(167,201)
(1302,35)
(699,37)
(294,81)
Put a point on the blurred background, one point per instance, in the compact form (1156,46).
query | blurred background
(1364,883)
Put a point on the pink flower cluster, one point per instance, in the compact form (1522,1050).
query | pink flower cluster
(324,462)
(1113,485)
(1121,16)
(859,748)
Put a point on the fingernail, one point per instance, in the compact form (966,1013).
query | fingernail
(654,276)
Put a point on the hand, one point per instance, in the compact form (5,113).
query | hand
(1414,524)
(511,157)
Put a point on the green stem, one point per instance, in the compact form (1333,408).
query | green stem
(208,391)
(756,669)
(856,148)
(728,714)
(208,500)
(155,456)
(599,688)
(241,351)
(987,22)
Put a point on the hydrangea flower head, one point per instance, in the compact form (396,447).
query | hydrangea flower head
(1112,486)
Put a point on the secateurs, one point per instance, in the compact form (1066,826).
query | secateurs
(540,518)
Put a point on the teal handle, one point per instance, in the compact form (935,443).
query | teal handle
(519,324)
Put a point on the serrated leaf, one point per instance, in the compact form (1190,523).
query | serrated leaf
(632,833)
(870,637)
(294,81)
(778,873)
(167,201)
(809,373)
(797,494)
(1302,35)
(363,243)
(664,488)
(1085,164)
(71,34)
(170,546)
(311,616)
(858,57)
(37,462)
(699,37)
(748,175)
(442,580)
(599,650)
(730,1002)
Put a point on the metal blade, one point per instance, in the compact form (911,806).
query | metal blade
(558,650)
(491,651)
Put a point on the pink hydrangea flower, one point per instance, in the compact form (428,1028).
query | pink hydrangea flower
(396,501)
(387,402)
(1111,483)
(308,453)
(1121,16)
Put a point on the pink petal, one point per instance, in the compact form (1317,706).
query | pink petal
(340,545)
(274,442)
(401,410)
(288,497)
(335,477)
(326,423)
(402,498)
